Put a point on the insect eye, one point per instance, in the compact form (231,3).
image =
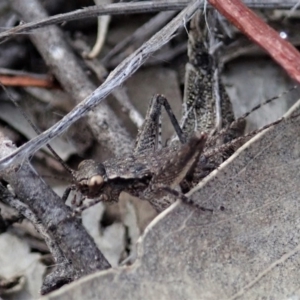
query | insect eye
(96,181)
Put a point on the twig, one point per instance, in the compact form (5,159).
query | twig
(128,8)
(128,67)
(76,246)
(66,67)
(262,34)
(26,81)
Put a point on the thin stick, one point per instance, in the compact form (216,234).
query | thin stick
(127,8)
(28,81)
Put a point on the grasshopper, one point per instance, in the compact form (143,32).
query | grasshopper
(154,173)
(151,172)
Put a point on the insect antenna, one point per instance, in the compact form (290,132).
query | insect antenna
(242,118)
(35,128)
(230,145)
(258,106)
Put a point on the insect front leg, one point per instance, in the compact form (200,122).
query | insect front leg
(109,193)
(67,192)
(79,210)
(78,200)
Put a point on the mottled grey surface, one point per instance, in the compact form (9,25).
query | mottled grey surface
(249,249)
(250,81)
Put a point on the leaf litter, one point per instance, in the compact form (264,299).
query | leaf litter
(162,254)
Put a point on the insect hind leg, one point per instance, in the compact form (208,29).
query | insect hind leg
(173,172)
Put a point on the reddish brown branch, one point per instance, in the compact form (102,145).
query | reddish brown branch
(262,34)
(26,81)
